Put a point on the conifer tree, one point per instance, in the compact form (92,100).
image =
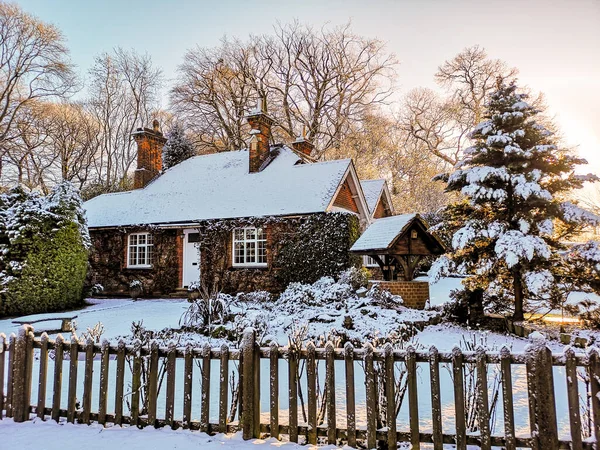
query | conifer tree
(513,223)
(178,147)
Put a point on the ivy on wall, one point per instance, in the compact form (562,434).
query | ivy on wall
(319,247)
(301,249)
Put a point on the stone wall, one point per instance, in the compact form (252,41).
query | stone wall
(414,293)
(108,262)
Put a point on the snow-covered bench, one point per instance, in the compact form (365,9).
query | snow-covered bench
(65,319)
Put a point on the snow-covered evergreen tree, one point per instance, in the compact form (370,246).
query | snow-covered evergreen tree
(44,244)
(513,222)
(178,147)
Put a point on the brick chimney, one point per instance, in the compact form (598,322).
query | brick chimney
(302,144)
(260,123)
(150,144)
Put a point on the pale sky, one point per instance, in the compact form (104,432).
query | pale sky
(554,44)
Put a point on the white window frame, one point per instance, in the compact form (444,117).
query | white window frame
(149,244)
(368,261)
(245,241)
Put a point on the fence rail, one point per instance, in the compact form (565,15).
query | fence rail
(134,379)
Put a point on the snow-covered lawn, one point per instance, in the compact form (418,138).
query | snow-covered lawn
(52,436)
(116,315)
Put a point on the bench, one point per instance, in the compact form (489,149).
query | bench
(66,320)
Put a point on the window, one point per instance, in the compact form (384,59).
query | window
(369,262)
(249,247)
(139,250)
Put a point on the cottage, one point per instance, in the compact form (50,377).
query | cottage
(227,218)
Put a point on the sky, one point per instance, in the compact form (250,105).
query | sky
(554,44)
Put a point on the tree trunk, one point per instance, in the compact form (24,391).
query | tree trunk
(518,288)
(475,306)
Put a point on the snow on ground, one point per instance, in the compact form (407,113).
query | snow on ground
(52,436)
(439,293)
(117,315)
(447,336)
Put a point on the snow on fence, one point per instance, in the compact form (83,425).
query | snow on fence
(161,370)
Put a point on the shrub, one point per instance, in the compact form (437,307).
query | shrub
(43,251)
(52,277)
(355,277)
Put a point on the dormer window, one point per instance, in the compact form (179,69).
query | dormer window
(249,247)
(139,250)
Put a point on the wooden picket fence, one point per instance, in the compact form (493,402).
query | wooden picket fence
(17,355)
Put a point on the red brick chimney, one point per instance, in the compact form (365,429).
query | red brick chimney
(260,123)
(150,144)
(302,144)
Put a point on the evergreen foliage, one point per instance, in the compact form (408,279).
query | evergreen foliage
(318,248)
(509,231)
(178,147)
(44,246)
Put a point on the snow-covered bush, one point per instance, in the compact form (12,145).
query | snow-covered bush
(194,286)
(254,297)
(207,310)
(324,291)
(96,289)
(355,277)
(44,246)
(135,284)
(383,298)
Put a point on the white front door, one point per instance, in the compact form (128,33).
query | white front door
(191,257)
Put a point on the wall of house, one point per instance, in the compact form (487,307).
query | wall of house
(108,262)
(216,265)
(109,257)
(344,198)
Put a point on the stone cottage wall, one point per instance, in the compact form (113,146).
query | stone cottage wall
(109,257)
(108,262)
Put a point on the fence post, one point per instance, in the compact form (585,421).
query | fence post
(12,342)
(2,364)
(539,368)
(247,350)
(20,408)
(28,371)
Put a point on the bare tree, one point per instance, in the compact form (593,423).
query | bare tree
(322,81)
(123,96)
(213,93)
(470,77)
(73,142)
(25,156)
(382,148)
(34,64)
(440,124)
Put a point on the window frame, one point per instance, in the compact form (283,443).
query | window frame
(148,236)
(365,262)
(244,241)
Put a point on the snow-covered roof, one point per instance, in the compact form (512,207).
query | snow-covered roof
(383,232)
(219,186)
(372,190)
